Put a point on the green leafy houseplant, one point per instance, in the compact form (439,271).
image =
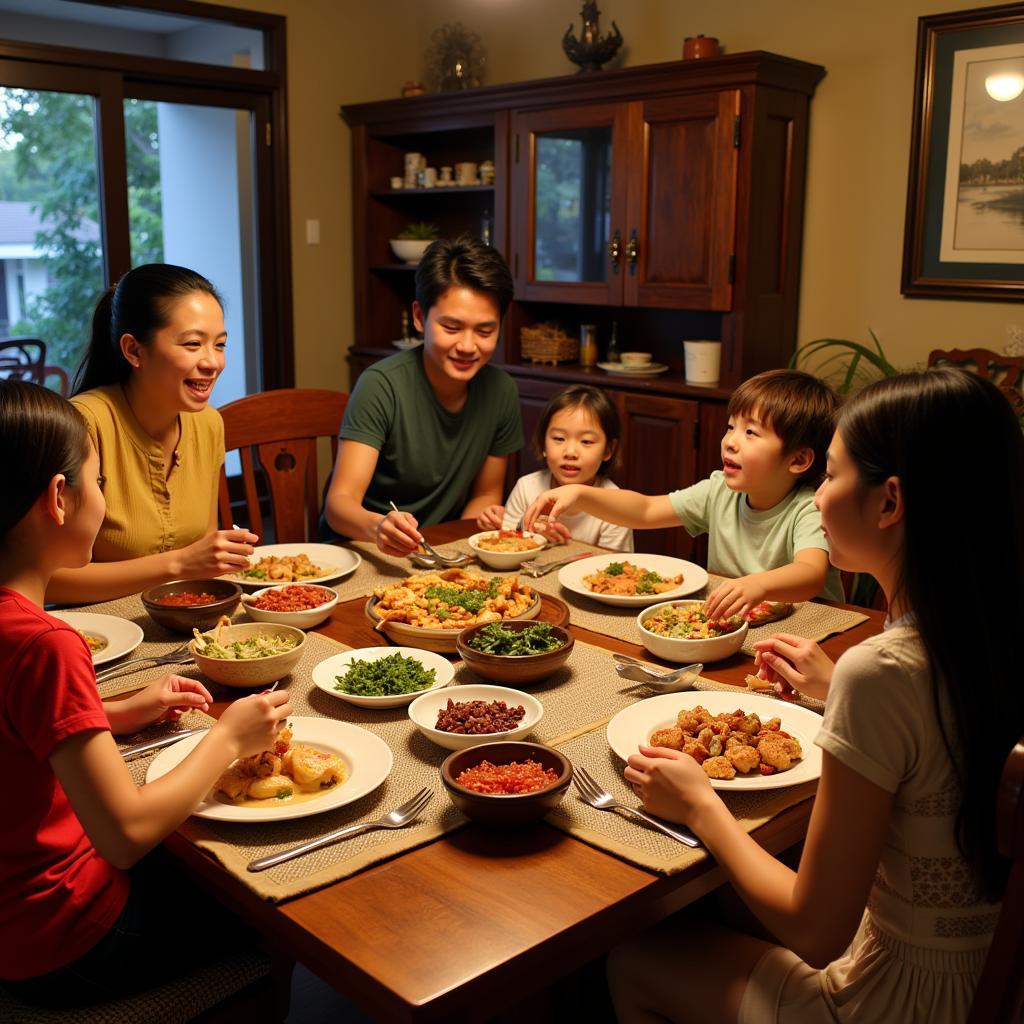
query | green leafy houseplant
(421,231)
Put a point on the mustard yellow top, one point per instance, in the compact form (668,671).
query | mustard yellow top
(146,512)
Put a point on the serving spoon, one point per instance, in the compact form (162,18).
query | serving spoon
(661,682)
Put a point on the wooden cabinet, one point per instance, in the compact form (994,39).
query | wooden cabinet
(665,198)
(628,204)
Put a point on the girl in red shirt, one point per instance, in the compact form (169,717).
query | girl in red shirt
(77,907)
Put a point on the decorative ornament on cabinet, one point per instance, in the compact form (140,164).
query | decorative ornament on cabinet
(592,49)
(455,58)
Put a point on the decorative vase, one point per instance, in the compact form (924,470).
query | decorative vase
(592,49)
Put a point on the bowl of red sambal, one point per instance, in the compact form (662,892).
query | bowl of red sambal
(184,605)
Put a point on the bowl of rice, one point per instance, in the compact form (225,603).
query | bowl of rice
(680,631)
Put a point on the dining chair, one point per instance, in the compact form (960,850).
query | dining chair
(1000,993)
(1004,371)
(22,359)
(276,434)
(240,985)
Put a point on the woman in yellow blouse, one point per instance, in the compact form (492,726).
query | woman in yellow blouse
(144,389)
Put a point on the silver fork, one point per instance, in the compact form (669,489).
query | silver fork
(398,818)
(178,656)
(536,569)
(600,798)
(445,561)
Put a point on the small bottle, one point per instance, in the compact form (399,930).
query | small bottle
(588,344)
(405,326)
(485,228)
(613,344)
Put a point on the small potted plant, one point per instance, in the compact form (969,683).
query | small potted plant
(412,243)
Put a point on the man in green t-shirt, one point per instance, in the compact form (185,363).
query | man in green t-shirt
(431,428)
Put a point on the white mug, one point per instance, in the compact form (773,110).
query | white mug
(703,359)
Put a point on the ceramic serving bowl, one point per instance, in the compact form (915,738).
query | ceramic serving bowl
(248,673)
(423,712)
(409,250)
(506,560)
(635,358)
(516,670)
(506,810)
(300,620)
(185,618)
(672,648)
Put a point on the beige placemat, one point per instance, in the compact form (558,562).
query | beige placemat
(614,832)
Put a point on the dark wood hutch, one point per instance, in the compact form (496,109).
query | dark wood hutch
(666,198)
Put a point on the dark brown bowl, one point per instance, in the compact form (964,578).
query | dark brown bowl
(506,811)
(197,616)
(514,669)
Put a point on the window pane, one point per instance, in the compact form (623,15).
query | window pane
(51,249)
(139,32)
(190,190)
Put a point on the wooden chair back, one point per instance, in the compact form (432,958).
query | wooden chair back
(1000,994)
(276,435)
(1004,371)
(22,359)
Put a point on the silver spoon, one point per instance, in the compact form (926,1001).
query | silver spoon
(439,560)
(660,682)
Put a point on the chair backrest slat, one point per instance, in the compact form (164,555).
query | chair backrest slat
(281,428)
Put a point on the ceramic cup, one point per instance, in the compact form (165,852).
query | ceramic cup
(703,359)
(446,176)
(397,181)
(429,177)
(466,173)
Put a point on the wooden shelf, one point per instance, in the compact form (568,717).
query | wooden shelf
(443,190)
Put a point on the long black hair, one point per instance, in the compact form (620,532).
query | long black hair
(139,304)
(41,435)
(954,443)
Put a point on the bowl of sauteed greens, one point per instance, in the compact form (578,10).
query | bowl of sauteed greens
(514,651)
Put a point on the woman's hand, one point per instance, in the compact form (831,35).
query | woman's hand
(552,504)
(734,597)
(215,554)
(398,534)
(795,665)
(671,784)
(165,700)
(251,724)
(491,517)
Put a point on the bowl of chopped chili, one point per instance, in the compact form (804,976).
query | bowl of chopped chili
(506,784)
(303,605)
(184,605)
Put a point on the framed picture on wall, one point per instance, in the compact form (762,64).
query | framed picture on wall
(964,234)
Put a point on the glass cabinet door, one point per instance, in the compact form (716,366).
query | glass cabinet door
(567,166)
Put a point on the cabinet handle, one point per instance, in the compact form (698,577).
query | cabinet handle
(615,251)
(632,251)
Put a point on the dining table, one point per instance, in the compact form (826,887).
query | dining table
(476,919)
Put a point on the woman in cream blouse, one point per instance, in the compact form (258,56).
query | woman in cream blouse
(144,389)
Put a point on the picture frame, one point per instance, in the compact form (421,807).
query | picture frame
(964,232)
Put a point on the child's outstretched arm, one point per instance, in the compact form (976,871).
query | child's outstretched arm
(624,508)
(125,821)
(801,580)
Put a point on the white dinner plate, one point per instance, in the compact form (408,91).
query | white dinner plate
(122,635)
(694,577)
(367,758)
(325,675)
(640,370)
(337,562)
(634,725)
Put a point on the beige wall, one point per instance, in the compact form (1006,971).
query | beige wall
(353,50)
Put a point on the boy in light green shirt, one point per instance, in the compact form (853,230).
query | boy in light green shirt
(758,510)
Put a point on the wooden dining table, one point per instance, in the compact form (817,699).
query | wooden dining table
(471,922)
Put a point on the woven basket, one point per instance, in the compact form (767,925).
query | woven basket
(548,343)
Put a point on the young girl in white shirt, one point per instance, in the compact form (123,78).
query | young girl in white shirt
(578,437)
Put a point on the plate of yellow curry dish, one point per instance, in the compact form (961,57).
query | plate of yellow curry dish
(429,609)
(109,636)
(743,741)
(632,580)
(315,765)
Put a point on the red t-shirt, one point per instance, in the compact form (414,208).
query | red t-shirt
(58,896)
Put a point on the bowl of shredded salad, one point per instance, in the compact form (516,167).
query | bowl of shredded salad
(248,655)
